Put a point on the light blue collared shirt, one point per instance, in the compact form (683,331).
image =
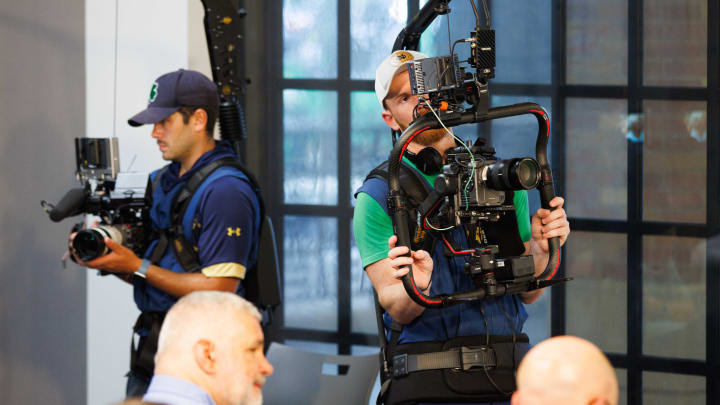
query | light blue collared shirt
(174,391)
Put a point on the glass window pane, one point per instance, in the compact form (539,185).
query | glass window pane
(675,42)
(310,147)
(673,389)
(675,161)
(434,41)
(596,41)
(537,326)
(362,301)
(596,158)
(600,273)
(516,136)
(310,272)
(523,40)
(316,347)
(310,39)
(622,385)
(674,297)
(360,350)
(370,140)
(380,20)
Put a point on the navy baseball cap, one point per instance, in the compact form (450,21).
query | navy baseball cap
(174,90)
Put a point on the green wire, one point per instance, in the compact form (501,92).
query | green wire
(472,157)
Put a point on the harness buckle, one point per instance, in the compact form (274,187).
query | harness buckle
(400,365)
(477,356)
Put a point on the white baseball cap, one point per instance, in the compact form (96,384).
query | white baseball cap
(391,66)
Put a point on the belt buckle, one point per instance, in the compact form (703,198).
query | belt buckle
(476,356)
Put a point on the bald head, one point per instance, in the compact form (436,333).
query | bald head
(566,370)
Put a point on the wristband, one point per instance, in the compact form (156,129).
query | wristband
(142,271)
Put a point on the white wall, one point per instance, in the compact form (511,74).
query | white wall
(151,40)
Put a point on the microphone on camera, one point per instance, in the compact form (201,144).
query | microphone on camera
(69,205)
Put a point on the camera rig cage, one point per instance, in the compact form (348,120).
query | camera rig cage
(448,89)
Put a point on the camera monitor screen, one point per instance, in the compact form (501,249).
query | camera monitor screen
(97,156)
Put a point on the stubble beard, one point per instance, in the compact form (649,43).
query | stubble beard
(427,137)
(430,136)
(250,399)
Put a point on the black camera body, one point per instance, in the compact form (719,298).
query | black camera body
(117,198)
(476,184)
(488,271)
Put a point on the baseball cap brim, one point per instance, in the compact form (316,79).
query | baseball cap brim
(151,115)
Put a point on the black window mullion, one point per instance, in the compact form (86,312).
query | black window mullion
(275,167)
(634,207)
(713,205)
(557,144)
(329,84)
(525,89)
(343,172)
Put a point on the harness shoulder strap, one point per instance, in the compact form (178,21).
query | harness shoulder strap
(175,236)
(183,249)
(412,182)
(183,198)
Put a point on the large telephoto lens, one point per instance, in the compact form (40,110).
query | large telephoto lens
(89,244)
(514,174)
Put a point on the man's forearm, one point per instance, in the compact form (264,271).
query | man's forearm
(540,259)
(180,284)
(391,293)
(398,304)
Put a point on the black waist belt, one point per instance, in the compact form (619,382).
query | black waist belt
(458,358)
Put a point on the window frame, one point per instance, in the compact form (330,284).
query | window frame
(559,91)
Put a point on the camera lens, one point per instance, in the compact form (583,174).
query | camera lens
(89,244)
(514,174)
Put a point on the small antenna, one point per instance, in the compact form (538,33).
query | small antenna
(131,163)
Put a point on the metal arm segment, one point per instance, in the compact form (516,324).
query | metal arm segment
(409,37)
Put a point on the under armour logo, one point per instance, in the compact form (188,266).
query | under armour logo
(234,231)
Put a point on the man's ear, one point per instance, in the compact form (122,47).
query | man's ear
(599,401)
(390,120)
(515,399)
(200,119)
(205,355)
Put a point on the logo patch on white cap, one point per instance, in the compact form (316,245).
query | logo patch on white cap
(400,57)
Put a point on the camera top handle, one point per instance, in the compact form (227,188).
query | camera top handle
(398,201)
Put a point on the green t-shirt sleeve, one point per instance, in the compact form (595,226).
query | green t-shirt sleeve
(520,200)
(372,228)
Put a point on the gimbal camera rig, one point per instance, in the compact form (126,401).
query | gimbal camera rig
(472,185)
